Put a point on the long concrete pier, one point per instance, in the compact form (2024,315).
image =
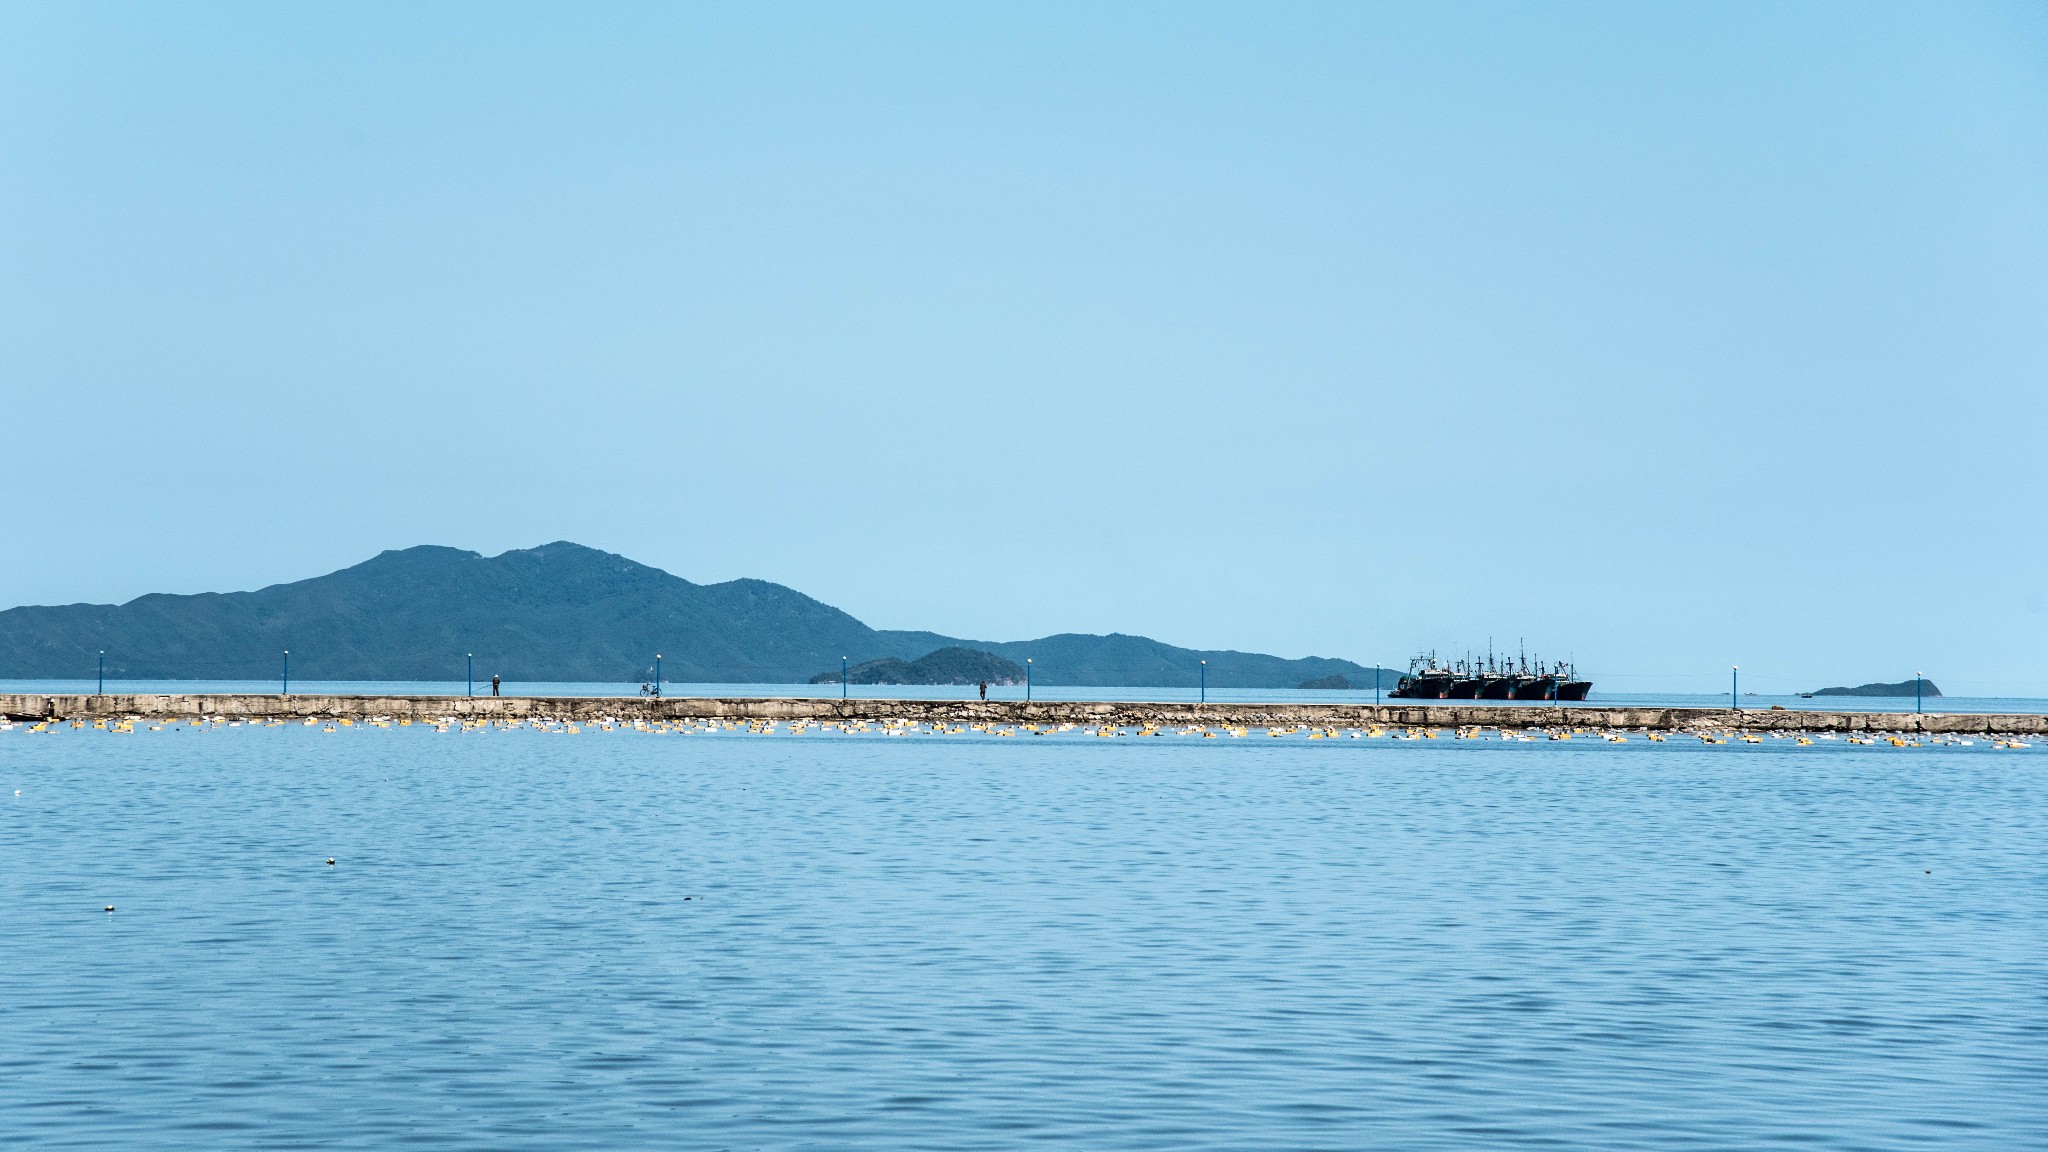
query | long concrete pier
(1412,715)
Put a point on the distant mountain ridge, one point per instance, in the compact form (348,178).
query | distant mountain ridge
(1902,688)
(945,666)
(559,612)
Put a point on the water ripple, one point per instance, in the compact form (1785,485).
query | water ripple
(532,942)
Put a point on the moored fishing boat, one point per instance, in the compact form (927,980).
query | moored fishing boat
(1490,679)
(1501,687)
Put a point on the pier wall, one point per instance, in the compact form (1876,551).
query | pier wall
(1430,715)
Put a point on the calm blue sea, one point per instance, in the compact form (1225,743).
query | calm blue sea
(618,940)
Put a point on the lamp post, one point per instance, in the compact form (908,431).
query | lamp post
(471,657)
(1919,678)
(287,672)
(842,677)
(1027,679)
(1205,681)
(103,673)
(657,675)
(1734,680)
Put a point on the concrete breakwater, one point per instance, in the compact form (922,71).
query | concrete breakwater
(1403,715)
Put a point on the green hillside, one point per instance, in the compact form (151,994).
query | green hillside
(559,612)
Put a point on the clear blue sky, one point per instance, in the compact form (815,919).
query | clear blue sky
(1670,336)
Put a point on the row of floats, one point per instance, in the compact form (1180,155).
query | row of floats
(447,724)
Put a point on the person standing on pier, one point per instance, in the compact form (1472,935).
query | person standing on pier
(984,689)
(494,683)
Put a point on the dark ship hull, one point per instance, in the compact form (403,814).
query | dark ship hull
(1422,688)
(1574,689)
(1501,688)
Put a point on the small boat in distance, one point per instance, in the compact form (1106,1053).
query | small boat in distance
(1490,679)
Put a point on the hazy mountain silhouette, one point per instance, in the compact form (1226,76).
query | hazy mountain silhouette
(945,666)
(1902,688)
(560,612)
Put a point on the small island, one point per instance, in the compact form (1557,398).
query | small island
(1902,688)
(945,666)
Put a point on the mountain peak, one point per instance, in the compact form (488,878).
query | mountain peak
(569,554)
(425,552)
(560,549)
